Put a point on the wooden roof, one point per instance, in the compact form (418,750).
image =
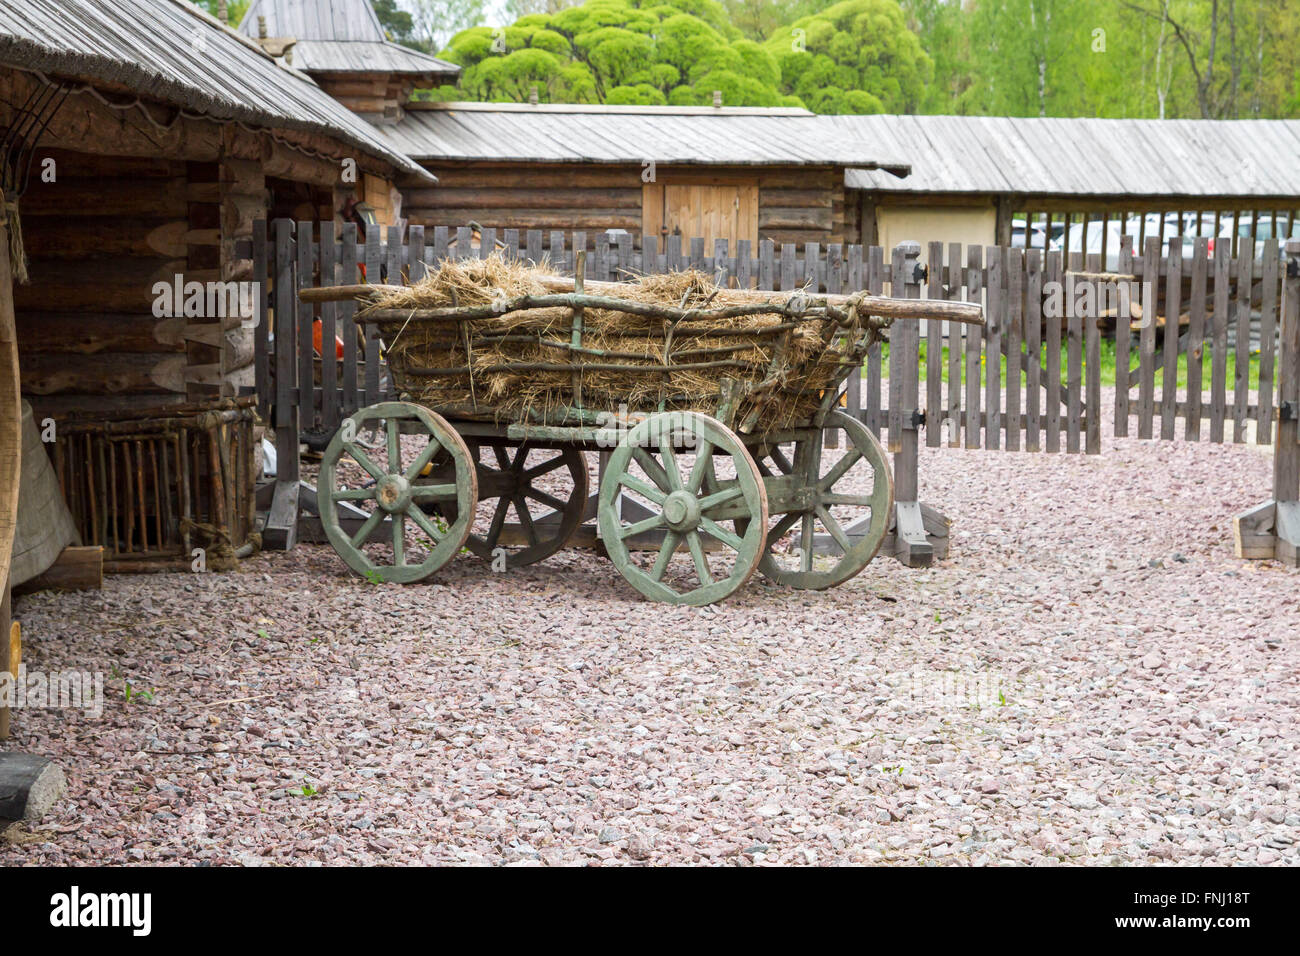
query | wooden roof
(1081,157)
(171,51)
(339,36)
(736,136)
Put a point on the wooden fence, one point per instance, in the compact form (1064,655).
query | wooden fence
(1059,332)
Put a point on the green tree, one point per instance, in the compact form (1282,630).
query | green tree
(397,23)
(857,56)
(235,9)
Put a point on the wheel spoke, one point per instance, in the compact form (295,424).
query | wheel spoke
(832,498)
(654,471)
(671,540)
(640,527)
(782,462)
(669,455)
(526,519)
(503,460)
(698,556)
(780,529)
(722,534)
(549,500)
(426,456)
(545,468)
(641,488)
(367,526)
(841,468)
(362,459)
(712,501)
(425,525)
(833,526)
(806,542)
(703,454)
(353,494)
(420,492)
(498,521)
(399,540)
(394,447)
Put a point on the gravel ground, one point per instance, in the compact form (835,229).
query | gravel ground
(1090,678)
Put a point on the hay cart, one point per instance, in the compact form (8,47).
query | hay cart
(717,410)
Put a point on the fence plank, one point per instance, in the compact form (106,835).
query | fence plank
(347,323)
(1196,339)
(996,319)
(934,352)
(875,284)
(744,264)
(464,245)
(1013,294)
(974,346)
(329,366)
(417,265)
(1173,311)
(1073,358)
(1123,336)
(834,271)
(650,255)
(1241,398)
(787,267)
(439,245)
(1267,335)
(511,238)
(1033,348)
(624,268)
(487,244)
(722,273)
(1147,340)
(766,264)
(306,370)
(1219,350)
(261,329)
(1052,371)
(956,347)
(285,308)
(1092,362)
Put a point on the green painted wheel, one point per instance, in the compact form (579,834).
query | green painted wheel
(830,513)
(679,503)
(545,488)
(360,488)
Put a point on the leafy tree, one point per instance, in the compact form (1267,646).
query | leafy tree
(437,20)
(397,23)
(235,9)
(857,56)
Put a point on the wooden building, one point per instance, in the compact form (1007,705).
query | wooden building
(147,137)
(975,179)
(708,172)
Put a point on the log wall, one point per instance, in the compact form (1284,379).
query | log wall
(795,204)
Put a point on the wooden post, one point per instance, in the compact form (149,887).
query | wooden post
(1272,529)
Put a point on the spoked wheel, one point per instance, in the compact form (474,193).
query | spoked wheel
(544,488)
(833,511)
(664,492)
(364,486)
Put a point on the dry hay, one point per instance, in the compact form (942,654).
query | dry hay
(470,353)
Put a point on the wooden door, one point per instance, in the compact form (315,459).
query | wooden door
(698,210)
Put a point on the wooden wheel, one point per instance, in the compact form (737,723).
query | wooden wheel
(832,516)
(523,480)
(363,487)
(683,502)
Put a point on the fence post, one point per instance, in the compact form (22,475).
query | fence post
(919,533)
(1272,529)
(281,529)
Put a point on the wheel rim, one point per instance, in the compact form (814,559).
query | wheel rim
(838,517)
(684,501)
(391,486)
(515,484)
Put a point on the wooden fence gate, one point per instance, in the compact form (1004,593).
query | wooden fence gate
(1033,379)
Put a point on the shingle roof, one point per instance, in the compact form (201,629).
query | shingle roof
(1081,157)
(339,36)
(513,132)
(152,47)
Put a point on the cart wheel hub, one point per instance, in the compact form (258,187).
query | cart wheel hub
(682,511)
(393,493)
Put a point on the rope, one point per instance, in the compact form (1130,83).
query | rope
(17,254)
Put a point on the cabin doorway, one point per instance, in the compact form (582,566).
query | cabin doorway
(708,210)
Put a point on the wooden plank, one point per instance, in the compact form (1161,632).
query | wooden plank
(1033,322)
(1196,337)
(1074,359)
(286,371)
(650,264)
(766,264)
(511,239)
(346,316)
(555,251)
(440,244)
(416,262)
(974,345)
(1219,341)
(1286,457)
(956,348)
(673,253)
(533,243)
(788,257)
(897,352)
(1092,363)
(934,352)
(1013,295)
(374,273)
(1052,372)
(1147,339)
(1267,335)
(744,263)
(1123,336)
(1173,310)
(1245,267)
(75,569)
(812,272)
(875,285)
(995,322)
(306,366)
(329,366)
(262,329)
(833,273)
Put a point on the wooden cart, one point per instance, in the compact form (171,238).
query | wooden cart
(732,495)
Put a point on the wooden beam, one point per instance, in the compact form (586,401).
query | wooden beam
(75,569)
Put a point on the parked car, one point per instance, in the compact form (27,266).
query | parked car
(1266,227)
